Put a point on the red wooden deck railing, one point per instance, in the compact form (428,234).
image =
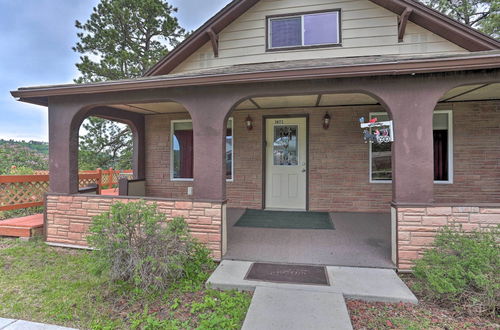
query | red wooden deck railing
(23,191)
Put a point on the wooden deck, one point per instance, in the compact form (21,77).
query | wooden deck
(32,225)
(110,192)
(29,226)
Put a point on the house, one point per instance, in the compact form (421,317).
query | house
(259,109)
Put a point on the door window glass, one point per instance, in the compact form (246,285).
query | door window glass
(285,145)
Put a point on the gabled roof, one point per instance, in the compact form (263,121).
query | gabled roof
(436,22)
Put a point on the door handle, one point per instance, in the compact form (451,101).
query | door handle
(303,170)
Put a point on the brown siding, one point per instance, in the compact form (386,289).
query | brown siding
(339,159)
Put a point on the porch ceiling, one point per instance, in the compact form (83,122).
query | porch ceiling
(473,93)
(152,108)
(459,94)
(307,101)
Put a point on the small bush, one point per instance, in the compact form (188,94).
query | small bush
(462,270)
(136,244)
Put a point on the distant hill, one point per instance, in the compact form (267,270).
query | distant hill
(26,156)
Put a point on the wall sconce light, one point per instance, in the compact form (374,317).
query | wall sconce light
(326,121)
(249,123)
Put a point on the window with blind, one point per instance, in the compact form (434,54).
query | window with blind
(304,30)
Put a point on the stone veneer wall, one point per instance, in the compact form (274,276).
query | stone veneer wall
(417,226)
(68,218)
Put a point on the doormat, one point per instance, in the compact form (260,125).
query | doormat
(293,274)
(285,220)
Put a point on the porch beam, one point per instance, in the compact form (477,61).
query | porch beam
(255,103)
(318,100)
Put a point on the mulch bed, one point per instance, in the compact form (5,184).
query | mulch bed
(366,315)
(425,315)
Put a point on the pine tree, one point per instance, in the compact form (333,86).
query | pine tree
(124,38)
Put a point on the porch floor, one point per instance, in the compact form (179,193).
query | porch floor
(359,240)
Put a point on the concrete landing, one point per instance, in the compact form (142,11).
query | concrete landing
(273,308)
(368,284)
(295,306)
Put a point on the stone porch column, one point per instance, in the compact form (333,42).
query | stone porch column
(412,104)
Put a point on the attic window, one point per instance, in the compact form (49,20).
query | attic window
(304,30)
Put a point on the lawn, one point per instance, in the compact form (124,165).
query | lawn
(60,286)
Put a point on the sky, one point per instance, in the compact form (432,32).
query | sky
(36,37)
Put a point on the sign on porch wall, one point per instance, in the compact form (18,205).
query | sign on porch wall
(377,131)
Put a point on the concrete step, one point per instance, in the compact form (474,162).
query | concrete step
(274,308)
(368,284)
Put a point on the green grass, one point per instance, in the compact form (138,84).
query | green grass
(60,286)
(21,212)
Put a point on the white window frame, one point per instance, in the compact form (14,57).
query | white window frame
(270,30)
(232,153)
(450,148)
(172,124)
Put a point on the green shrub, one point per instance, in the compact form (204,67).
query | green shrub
(462,270)
(136,244)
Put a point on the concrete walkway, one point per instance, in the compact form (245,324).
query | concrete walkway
(11,324)
(293,306)
(288,309)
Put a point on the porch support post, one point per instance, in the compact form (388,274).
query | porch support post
(63,149)
(412,105)
(208,111)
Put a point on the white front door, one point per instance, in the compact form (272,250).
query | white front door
(286,163)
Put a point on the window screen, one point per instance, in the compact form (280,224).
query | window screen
(305,30)
(286,32)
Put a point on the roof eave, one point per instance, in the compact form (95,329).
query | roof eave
(442,25)
(40,95)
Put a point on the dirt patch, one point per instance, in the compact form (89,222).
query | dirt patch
(425,315)
(366,315)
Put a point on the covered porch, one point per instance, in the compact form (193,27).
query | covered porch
(336,169)
(359,240)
